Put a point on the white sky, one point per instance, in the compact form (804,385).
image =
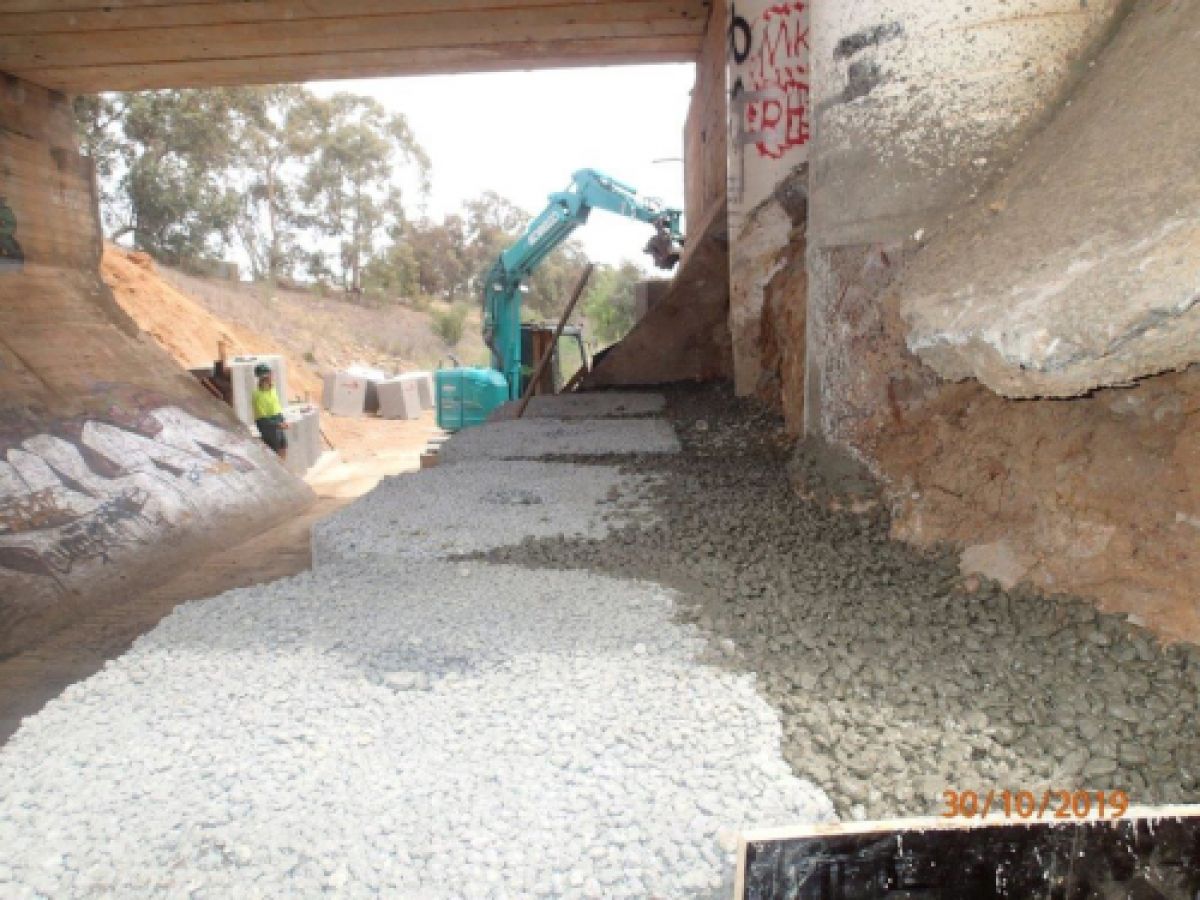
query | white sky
(522,134)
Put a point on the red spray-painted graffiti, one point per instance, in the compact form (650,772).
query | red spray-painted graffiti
(769,93)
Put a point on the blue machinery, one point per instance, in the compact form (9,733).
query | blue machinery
(466,396)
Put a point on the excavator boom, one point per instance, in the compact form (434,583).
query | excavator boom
(502,286)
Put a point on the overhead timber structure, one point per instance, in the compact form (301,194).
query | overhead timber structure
(83,46)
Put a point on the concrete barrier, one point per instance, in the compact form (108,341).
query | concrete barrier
(244,382)
(424,383)
(345,395)
(304,437)
(399,398)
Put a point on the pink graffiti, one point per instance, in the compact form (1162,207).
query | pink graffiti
(777,109)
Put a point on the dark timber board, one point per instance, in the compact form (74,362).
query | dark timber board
(1147,855)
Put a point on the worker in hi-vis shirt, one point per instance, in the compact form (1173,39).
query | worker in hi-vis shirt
(268,411)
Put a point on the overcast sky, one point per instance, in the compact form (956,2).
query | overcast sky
(522,134)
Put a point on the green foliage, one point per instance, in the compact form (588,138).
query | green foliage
(448,324)
(348,191)
(277,170)
(307,189)
(608,304)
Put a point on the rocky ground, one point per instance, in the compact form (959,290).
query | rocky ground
(895,677)
(397,724)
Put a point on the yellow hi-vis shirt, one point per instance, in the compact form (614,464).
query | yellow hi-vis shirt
(266,403)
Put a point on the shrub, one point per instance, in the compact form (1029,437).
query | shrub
(448,324)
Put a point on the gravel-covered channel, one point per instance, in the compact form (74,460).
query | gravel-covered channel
(895,682)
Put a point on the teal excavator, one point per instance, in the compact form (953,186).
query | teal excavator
(467,396)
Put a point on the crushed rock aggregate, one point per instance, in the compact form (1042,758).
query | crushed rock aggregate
(466,730)
(896,679)
(477,505)
(548,438)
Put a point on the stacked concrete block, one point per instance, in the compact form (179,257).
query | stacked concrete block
(345,395)
(304,437)
(241,376)
(399,398)
(424,383)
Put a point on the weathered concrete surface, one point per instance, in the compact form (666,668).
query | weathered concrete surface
(1081,267)
(769,133)
(918,102)
(114,464)
(686,336)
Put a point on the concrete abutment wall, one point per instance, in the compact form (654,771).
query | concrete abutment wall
(115,466)
(1000,189)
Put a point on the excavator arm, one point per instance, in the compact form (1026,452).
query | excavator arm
(565,212)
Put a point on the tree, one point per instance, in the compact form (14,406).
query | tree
(272,138)
(442,257)
(349,189)
(609,302)
(97,121)
(175,154)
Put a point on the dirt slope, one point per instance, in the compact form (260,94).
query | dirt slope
(330,331)
(184,328)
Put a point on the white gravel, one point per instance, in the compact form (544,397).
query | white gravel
(598,405)
(460,731)
(475,506)
(540,438)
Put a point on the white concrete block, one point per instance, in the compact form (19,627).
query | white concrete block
(304,437)
(424,382)
(347,395)
(399,398)
(241,375)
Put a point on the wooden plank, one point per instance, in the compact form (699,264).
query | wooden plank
(39,19)
(85,7)
(368,64)
(153,45)
(986,859)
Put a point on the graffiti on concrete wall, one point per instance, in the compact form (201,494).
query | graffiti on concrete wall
(768,83)
(11,255)
(76,498)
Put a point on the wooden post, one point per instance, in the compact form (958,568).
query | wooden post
(562,323)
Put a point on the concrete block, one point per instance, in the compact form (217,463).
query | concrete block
(373,377)
(399,398)
(304,437)
(347,395)
(241,376)
(424,383)
(328,381)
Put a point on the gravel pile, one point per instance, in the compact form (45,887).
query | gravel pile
(593,405)
(540,438)
(464,731)
(475,506)
(894,680)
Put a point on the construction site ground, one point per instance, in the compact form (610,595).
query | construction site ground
(579,673)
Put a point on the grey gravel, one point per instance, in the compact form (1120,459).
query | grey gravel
(476,506)
(591,405)
(467,730)
(893,680)
(542,438)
